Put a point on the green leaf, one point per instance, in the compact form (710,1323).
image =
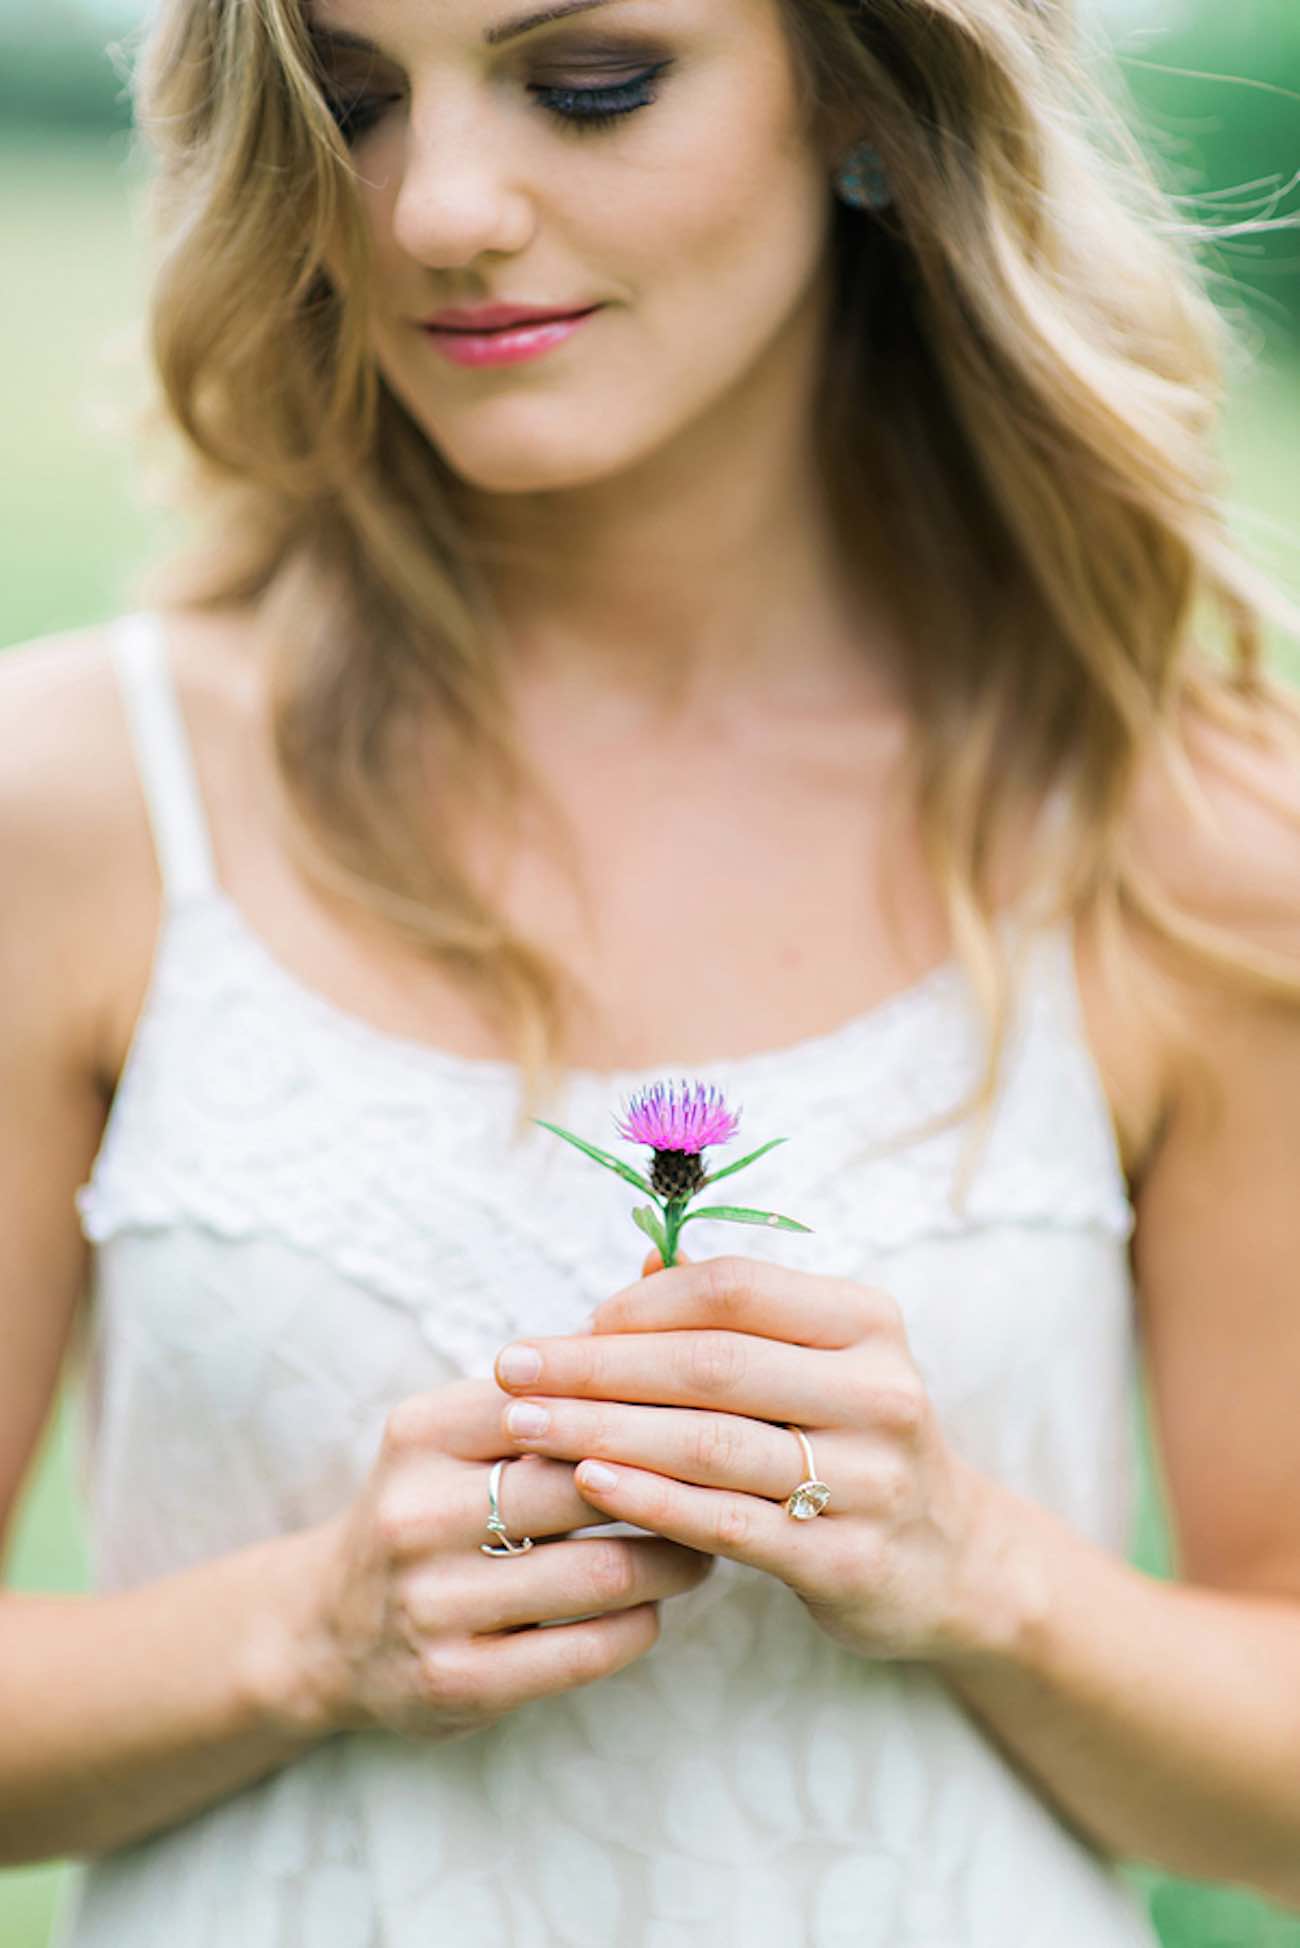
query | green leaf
(715,1175)
(646,1219)
(737,1214)
(624,1170)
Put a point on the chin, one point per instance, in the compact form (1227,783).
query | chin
(533,464)
(522,474)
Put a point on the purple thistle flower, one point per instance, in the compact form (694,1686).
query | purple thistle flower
(678,1126)
(689,1122)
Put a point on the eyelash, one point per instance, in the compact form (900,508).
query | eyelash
(582,109)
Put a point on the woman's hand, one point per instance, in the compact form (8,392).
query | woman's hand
(681,1394)
(415,1630)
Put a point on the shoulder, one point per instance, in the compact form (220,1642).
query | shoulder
(1211,841)
(66,777)
(1215,836)
(83,892)
(70,823)
(1225,843)
(69,787)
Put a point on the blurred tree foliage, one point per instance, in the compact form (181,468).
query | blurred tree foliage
(57,64)
(1214,92)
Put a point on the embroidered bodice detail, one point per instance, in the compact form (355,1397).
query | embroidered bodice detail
(254,1107)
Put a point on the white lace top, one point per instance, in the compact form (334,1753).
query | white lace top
(299,1220)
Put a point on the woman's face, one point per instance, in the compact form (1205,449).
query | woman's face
(692,220)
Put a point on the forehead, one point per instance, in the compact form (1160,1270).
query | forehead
(494,26)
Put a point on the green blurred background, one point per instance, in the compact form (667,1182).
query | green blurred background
(1214,92)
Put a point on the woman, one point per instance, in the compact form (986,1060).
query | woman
(787,668)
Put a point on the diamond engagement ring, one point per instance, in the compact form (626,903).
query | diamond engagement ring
(811,1496)
(494,1521)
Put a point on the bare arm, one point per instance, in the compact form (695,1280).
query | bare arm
(123,1714)
(1162,1720)
(1165,1718)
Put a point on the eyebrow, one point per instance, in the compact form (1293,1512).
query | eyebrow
(509,30)
(505,30)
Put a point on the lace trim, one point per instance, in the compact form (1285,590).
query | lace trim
(250,1111)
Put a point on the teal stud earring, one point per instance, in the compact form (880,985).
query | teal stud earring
(861,180)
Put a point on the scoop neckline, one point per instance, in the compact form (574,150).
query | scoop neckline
(758,1064)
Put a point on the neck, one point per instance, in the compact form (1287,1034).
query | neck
(709,573)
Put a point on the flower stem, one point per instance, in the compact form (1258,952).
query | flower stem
(674,1217)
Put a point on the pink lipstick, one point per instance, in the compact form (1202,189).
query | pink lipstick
(502,334)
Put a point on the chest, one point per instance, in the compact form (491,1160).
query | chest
(736,890)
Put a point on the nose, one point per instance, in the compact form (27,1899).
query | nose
(460,197)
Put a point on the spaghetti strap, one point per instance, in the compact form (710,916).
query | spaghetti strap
(163,757)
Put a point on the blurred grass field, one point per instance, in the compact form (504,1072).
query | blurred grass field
(70,243)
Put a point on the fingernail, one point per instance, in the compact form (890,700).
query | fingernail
(592,1475)
(519,1365)
(526,1419)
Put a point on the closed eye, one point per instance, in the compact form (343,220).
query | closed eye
(589,108)
(578,108)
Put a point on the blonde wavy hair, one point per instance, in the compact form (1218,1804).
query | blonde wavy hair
(1020,398)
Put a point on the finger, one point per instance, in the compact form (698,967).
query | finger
(565,1580)
(654,1261)
(462,1418)
(711,1450)
(750,1295)
(743,1527)
(448,1508)
(497,1674)
(736,1371)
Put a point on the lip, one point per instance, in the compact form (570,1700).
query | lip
(496,317)
(506,344)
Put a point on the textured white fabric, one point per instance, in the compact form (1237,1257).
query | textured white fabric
(300,1220)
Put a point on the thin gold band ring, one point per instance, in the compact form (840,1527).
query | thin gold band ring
(812,1495)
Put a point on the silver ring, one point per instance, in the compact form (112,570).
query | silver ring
(812,1495)
(494,1521)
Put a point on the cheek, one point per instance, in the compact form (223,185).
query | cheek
(727,263)
(755,231)
(736,220)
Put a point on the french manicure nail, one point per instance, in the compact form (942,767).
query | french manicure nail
(519,1365)
(526,1419)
